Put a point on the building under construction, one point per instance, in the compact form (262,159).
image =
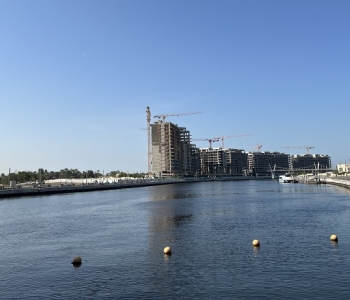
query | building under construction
(174,154)
(311,161)
(172,151)
(264,163)
(222,162)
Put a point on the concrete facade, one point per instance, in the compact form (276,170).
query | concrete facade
(222,162)
(311,161)
(263,163)
(172,151)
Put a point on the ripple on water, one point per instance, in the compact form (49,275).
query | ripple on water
(121,236)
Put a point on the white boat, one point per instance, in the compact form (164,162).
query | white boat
(286,178)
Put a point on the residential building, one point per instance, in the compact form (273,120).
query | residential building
(222,162)
(310,162)
(264,163)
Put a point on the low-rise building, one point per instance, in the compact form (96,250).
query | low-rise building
(343,168)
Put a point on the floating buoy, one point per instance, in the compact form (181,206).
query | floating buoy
(167,250)
(256,243)
(76,261)
(334,238)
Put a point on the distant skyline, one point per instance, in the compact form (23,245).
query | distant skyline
(76,78)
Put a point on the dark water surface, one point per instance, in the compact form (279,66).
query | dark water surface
(121,235)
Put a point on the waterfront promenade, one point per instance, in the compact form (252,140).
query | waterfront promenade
(338,180)
(47,188)
(343,181)
(60,188)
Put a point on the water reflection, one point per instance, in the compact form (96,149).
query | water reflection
(256,251)
(178,220)
(334,244)
(170,207)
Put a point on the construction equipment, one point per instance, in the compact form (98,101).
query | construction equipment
(305,147)
(258,146)
(148,114)
(174,115)
(211,141)
(229,136)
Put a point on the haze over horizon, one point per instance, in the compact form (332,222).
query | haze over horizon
(76,78)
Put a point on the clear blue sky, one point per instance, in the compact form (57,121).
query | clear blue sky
(76,77)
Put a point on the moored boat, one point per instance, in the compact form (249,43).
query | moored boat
(287,178)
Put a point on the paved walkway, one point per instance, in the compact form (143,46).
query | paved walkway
(339,180)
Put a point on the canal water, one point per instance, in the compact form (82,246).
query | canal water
(209,226)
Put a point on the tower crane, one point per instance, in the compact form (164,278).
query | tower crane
(258,146)
(229,136)
(149,154)
(211,141)
(163,116)
(305,147)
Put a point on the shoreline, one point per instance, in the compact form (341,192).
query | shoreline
(345,183)
(54,189)
(50,189)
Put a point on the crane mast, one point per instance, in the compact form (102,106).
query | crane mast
(149,154)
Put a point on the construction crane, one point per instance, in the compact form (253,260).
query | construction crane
(258,146)
(175,115)
(305,147)
(211,141)
(148,117)
(229,136)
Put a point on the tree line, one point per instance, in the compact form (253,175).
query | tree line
(42,175)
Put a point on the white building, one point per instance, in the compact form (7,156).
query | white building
(343,168)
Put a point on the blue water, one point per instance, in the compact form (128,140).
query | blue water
(121,235)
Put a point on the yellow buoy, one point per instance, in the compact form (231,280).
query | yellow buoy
(76,261)
(256,243)
(167,250)
(334,238)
